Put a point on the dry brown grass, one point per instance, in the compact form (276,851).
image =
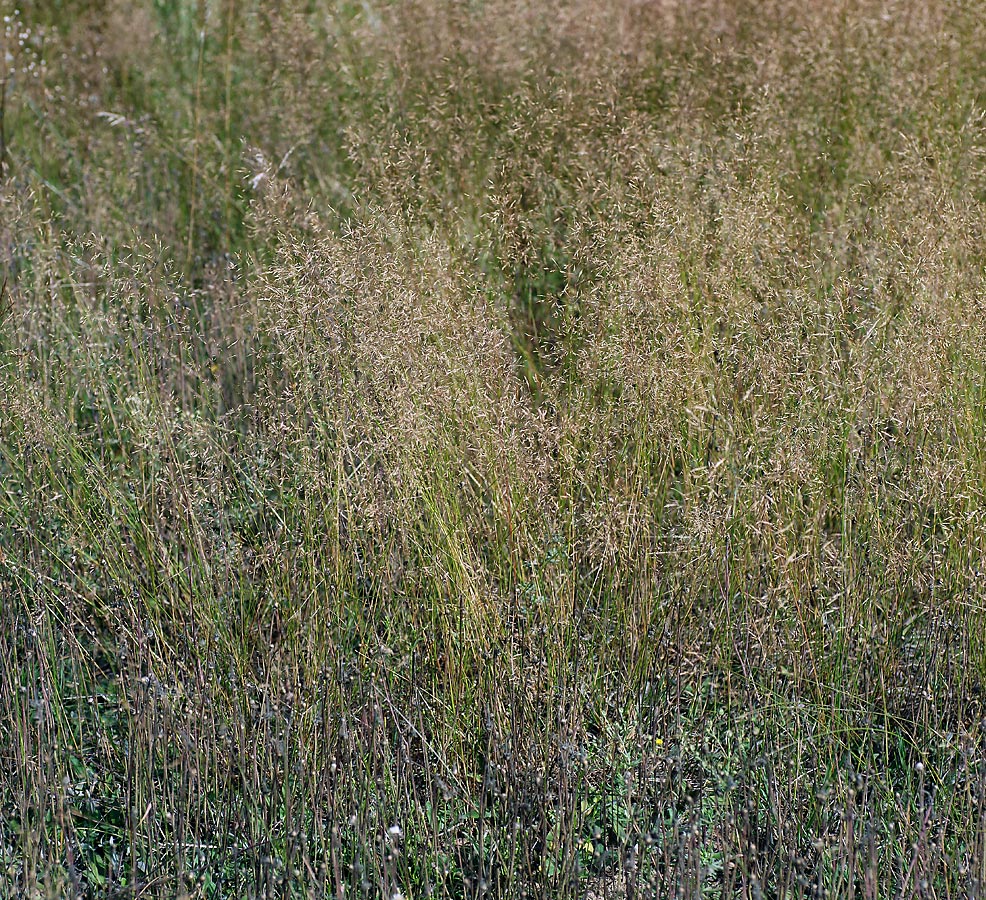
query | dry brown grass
(492,449)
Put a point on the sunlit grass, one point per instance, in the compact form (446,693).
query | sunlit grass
(499,449)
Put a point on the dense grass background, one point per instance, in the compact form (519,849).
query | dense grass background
(492,449)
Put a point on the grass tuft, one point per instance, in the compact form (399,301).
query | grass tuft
(505,449)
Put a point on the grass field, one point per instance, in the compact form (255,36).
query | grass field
(493,449)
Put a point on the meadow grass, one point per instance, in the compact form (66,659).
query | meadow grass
(492,449)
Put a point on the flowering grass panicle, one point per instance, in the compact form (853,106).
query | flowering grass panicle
(506,449)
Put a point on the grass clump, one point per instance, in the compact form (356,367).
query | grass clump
(492,450)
